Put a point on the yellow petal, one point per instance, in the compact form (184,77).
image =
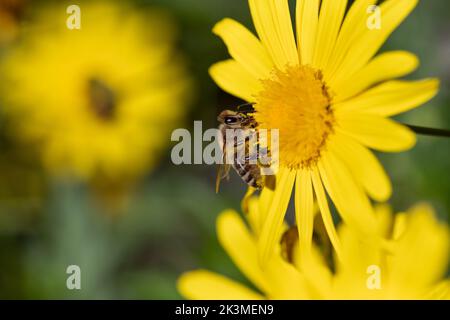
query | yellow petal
(376,132)
(393,12)
(357,256)
(272,226)
(234,79)
(400,224)
(254,216)
(315,269)
(325,212)
(441,291)
(385,66)
(330,20)
(241,246)
(287,283)
(206,285)
(318,276)
(422,251)
(307,20)
(385,219)
(245,48)
(364,166)
(273,23)
(392,97)
(354,25)
(349,198)
(265,200)
(304,206)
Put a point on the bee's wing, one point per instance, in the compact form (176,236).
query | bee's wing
(224,168)
(222,172)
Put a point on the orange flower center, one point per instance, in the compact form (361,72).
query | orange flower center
(296,102)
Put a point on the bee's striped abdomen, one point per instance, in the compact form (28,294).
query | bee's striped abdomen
(250,174)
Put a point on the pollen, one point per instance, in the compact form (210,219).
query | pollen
(296,101)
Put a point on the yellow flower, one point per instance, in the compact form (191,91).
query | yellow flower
(413,269)
(330,97)
(10,15)
(100,101)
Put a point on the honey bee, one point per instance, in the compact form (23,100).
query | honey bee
(244,149)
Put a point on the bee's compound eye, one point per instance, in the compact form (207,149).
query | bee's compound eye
(230,120)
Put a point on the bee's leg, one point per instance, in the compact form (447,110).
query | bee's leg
(244,136)
(265,161)
(246,199)
(251,157)
(264,157)
(251,134)
(250,149)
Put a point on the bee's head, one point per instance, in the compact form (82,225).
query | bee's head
(229,118)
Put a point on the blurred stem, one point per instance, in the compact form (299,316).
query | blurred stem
(429,131)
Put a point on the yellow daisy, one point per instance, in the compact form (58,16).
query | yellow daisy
(101,101)
(11,12)
(330,97)
(414,269)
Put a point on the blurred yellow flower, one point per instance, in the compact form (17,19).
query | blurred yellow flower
(331,99)
(10,14)
(412,269)
(100,101)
